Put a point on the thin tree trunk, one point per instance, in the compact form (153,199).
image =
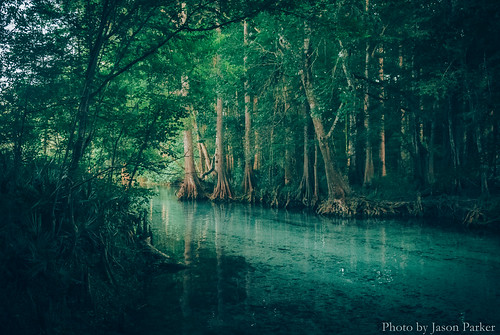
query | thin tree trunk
(369,171)
(383,169)
(483,161)
(404,164)
(248,179)
(431,151)
(289,144)
(453,149)
(315,173)
(82,140)
(257,146)
(351,147)
(305,191)
(205,162)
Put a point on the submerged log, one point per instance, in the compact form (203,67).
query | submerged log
(161,259)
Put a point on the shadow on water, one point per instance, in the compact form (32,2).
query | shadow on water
(259,271)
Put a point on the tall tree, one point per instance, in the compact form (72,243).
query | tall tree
(248,178)
(369,168)
(337,187)
(222,190)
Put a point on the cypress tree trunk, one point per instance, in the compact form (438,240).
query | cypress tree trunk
(222,190)
(305,191)
(191,187)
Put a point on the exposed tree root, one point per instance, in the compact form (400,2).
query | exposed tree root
(161,259)
(362,206)
(466,211)
(222,191)
(191,189)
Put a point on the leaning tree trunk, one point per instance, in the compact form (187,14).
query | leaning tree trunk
(191,187)
(205,162)
(337,187)
(78,146)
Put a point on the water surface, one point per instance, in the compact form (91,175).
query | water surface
(255,270)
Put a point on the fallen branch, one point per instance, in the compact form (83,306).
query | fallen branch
(162,259)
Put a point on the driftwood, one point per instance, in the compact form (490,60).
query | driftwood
(161,259)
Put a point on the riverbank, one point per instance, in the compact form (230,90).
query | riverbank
(72,259)
(466,211)
(253,270)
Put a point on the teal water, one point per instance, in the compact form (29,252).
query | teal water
(254,270)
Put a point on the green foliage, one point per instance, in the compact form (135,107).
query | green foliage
(63,252)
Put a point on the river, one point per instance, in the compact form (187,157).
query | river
(254,270)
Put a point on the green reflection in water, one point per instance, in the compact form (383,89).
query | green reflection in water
(259,271)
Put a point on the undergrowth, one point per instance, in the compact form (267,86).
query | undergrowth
(68,253)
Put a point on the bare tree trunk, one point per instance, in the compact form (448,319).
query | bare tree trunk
(289,144)
(404,156)
(315,173)
(431,151)
(305,191)
(337,187)
(248,179)
(191,187)
(351,145)
(222,190)
(257,145)
(483,161)
(453,149)
(383,169)
(369,171)
(205,162)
